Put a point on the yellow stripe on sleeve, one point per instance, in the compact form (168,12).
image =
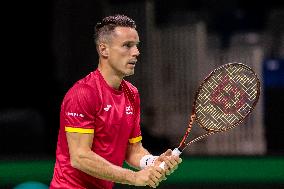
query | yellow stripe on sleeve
(134,140)
(78,130)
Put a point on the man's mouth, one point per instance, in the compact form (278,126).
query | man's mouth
(133,62)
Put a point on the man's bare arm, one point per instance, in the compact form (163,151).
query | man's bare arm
(84,159)
(134,154)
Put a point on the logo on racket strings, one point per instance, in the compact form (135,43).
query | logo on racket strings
(228,96)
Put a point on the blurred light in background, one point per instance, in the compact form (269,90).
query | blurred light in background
(31,185)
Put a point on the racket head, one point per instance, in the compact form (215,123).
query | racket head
(226,97)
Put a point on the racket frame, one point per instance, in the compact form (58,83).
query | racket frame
(183,144)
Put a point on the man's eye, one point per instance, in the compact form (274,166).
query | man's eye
(127,45)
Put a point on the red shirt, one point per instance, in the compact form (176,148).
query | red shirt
(92,106)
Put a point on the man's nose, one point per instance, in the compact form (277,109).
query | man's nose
(136,51)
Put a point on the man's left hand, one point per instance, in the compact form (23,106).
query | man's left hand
(171,161)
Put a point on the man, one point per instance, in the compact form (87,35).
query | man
(99,120)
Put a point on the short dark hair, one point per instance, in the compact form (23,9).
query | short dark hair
(104,28)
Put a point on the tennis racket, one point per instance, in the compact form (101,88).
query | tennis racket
(223,101)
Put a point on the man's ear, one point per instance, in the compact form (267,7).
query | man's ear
(103,49)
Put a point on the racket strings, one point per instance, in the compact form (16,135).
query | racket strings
(226,97)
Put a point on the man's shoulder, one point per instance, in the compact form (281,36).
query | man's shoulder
(84,87)
(89,79)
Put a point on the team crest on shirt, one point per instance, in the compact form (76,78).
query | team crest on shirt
(129,110)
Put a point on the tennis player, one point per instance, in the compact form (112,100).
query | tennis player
(99,120)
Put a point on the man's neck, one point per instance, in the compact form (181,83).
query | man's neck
(110,77)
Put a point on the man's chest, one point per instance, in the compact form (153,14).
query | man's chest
(115,114)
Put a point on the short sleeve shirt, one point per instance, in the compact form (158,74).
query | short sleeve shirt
(92,106)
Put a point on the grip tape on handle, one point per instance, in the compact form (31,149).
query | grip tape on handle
(175,152)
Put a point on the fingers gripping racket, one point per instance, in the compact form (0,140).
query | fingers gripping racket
(223,101)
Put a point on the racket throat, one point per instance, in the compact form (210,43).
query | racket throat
(183,143)
(182,146)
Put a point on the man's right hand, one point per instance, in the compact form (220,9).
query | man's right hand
(150,176)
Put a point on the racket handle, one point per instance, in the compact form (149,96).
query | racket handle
(175,152)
